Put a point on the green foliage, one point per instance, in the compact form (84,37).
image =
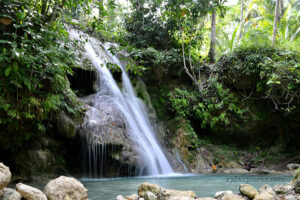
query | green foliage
(270,73)
(155,58)
(217,109)
(192,137)
(220,109)
(34,61)
(182,102)
(147,29)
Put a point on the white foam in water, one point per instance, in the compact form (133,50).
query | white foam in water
(138,124)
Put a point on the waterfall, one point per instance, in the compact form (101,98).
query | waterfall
(138,125)
(181,162)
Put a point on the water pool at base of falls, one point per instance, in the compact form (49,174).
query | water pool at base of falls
(205,185)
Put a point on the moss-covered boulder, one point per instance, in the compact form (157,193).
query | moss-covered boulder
(296,181)
(248,190)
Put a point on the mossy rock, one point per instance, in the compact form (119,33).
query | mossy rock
(296,180)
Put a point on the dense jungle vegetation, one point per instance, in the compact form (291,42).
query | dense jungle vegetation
(220,68)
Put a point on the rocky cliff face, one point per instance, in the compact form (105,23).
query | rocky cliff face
(104,133)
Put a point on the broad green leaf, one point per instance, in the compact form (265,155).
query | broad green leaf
(7,71)
(21,15)
(15,66)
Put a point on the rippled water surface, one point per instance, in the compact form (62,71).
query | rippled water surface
(203,185)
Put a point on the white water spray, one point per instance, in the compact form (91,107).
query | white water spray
(138,125)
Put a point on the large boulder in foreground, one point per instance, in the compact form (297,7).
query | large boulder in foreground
(5,176)
(9,194)
(148,187)
(164,194)
(65,188)
(248,191)
(30,193)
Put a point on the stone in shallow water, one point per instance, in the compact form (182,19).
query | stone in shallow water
(150,196)
(65,187)
(120,197)
(164,194)
(220,194)
(30,193)
(248,190)
(132,197)
(266,188)
(145,187)
(174,193)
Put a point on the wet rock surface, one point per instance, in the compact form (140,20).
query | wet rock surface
(149,191)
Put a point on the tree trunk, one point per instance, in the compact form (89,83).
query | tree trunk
(56,11)
(242,19)
(212,50)
(282,10)
(44,6)
(276,16)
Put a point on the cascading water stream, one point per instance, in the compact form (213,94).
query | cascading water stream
(138,125)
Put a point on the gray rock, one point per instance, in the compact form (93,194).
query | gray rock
(296,181)
(148,187)
(5,176)
(283,189)
(150,196)
(30,193)
(266,188)
(120,197)
(66,125)
(9,194)
(65,187)
(105,124)
(290,197)
(220,194)
(203,160)
(297,185)
(166,194)
(293,166)
(132,197)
